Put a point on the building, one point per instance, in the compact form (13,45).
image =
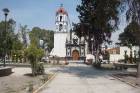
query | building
(75,48)
(118,53)
(66,44)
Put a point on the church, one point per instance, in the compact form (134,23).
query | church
(66,44)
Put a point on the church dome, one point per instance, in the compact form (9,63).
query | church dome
(61,10)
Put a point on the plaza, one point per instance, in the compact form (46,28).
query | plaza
(70,46)
(81,78)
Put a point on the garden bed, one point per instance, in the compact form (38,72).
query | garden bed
(5,71)
(21,81)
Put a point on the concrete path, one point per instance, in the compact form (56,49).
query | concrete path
(80,78)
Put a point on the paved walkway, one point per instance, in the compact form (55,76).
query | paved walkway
(80,78)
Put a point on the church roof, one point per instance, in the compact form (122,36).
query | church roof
(61,10)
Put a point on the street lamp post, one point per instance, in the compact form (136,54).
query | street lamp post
(6,11)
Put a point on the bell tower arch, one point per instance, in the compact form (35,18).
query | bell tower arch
(61,21)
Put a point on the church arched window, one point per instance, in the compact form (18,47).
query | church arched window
(60,18)
(75,41)
(60,27)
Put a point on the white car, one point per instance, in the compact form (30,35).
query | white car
(45,59)
(104,61)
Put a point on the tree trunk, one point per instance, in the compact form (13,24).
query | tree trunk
(138,69)
(138,63)
(33,63)
(97,55)
(33,69)
(97,61)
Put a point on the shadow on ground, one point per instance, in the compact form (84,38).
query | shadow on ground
(85,71)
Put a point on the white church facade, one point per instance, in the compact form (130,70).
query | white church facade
(66,44)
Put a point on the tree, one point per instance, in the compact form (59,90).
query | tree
(17,49)
(23,35)
(38,34)
(133,10)
(127,37)
(98,19)
(50,40)
(133,14)
(34,55)
(6,38)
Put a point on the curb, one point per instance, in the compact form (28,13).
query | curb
(131,84)
(41,87)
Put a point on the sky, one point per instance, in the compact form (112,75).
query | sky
(41,13)
(122,25)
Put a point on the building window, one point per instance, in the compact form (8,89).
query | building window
(114,51)
(60,27)
(75,41)
(68,53)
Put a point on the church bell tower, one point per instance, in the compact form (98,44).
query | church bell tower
(61,20)
(61,32)
(67,45)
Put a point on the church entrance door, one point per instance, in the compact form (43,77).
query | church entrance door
(75,55)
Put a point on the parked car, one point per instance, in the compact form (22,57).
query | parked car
(45,59)
(104,61)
